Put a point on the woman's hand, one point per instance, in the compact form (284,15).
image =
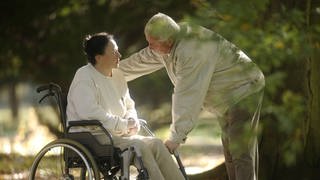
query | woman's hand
(133,126)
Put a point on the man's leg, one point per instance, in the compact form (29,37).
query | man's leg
(227,156)
(240,138)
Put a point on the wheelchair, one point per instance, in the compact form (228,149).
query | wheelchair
(78,155)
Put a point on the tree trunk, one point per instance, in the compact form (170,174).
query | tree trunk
(13,99)
(312,124)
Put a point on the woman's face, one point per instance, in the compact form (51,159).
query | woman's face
(111,56)
(160,47)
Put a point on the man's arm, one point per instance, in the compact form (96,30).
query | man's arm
(193,77)
(141,63)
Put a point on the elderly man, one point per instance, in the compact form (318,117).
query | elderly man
(207,72)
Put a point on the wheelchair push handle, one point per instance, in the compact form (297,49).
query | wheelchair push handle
(51,87)
(45,96)
(43,88)
(52,90)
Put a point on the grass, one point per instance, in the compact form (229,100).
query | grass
(14,163)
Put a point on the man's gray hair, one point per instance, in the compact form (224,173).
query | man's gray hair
(161,27)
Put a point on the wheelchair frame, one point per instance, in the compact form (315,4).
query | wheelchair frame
(82,150)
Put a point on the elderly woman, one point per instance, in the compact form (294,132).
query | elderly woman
(99,91)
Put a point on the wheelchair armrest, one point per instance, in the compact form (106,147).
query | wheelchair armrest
(85,123)
(90,123)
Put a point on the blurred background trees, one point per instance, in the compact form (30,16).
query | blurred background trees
(41,41)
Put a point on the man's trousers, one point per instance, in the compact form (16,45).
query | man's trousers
(239,138)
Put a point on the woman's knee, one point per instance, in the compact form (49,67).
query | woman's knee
(156,142)
(157,146)
(139,144)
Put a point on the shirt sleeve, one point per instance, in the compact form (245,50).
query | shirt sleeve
(193,76)
(141,63)
(84,98)
(130,105)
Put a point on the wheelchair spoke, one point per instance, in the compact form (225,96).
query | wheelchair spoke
(53,166)
(62,162)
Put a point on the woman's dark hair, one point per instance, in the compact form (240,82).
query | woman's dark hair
(95,44)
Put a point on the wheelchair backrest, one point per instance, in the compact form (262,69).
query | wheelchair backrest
(54,90)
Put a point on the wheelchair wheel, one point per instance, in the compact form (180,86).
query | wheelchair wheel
(64,159)
(84,175)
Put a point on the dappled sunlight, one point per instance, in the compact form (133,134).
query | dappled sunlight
(5,145)
(198,158)
(202,163)
(21,175)
(30,136)
(18,145)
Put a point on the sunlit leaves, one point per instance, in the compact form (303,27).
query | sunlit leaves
(11,67)
(290,117)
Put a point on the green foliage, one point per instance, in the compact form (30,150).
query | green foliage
(276,39)
(291,114)
(41,42)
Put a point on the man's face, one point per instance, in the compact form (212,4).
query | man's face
(159,46)
(111,56)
